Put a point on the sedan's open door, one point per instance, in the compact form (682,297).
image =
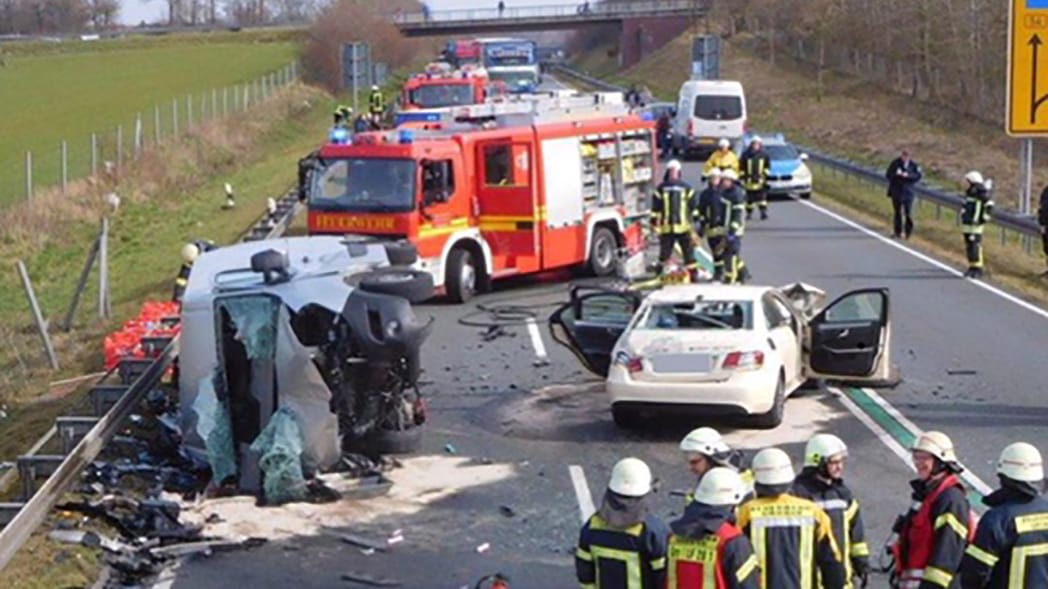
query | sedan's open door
(850,339)
(591,324)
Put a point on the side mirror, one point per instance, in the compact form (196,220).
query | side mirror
(804,157)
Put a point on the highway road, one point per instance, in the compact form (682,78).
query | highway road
(521,441)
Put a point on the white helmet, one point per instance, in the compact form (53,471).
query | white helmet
(723,143)
(720,486)
(937,444)
(704,440)
(190,252)
(673,165)
(1021,462)
(823,447)
(772,466)
(631,478)
(730,174)
(974,177)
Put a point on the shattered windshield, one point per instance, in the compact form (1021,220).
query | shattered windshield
(441,95)
(700,315)
(365,184)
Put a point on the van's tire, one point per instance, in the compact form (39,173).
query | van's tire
(461,276)
(392,441)
(401,253)
(602,252)
(413,285)
(773,418)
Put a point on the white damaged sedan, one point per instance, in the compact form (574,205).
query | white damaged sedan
(724,350)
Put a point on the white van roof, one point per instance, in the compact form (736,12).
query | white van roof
(711,87)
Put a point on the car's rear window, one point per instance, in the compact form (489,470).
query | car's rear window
(718,108)
(706,314)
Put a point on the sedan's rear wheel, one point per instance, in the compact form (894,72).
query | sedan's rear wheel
(773,418)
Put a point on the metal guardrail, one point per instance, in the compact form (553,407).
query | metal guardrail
(595,11)
(1006,221)
(92,434)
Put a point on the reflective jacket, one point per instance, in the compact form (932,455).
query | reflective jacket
(977,209)
(1010,550)
(376,102)
(933,535)
(754,168)
(721,212)
(836,499)
(622,547)
(674,207)
(707,551)
(722,160)
(793,538)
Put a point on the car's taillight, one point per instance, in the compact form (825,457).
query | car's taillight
(744,360)
(633,364)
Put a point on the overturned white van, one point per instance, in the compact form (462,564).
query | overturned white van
(303,346)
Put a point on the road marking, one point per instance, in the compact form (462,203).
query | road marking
(582,492)
(536,339)
(897,432)
(930,260)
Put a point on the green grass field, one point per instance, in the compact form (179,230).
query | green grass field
(69,91)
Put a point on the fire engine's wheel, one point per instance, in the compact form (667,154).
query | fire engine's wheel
(401,253)
(461,277)
(413,285)
(602,252)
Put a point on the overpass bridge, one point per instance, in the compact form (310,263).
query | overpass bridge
(543,18)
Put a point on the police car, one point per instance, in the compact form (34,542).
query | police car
(789,173)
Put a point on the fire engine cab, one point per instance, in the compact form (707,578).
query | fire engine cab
(440,86)
(497,190)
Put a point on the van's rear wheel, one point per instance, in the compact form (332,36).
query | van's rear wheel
(602,252)
(460,278)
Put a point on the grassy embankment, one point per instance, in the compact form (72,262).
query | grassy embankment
(859,122)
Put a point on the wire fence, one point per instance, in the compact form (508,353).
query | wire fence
(74,158)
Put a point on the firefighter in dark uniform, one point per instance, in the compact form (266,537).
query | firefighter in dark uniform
(622,545)
(705,449)
(735,200)
(783,527)
(754,166)
(932,535)
(707,550)
(1042,220)
(674,211)
(822,481)
(976,213)
(376,102)
(1010,550)
(190,252)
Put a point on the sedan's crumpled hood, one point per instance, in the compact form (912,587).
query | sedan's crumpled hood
(651,342)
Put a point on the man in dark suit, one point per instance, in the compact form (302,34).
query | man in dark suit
(902,174)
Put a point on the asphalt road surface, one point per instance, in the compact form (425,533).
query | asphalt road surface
(525,441)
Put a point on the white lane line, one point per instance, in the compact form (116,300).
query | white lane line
(875,427)
(582,492)
(920,256)
(536,339)
(967,475)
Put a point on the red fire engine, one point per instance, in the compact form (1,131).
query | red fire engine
(496,190)
(440,86)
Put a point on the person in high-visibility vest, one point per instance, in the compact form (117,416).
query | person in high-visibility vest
(754,166)
(707,550)
(1010,550)
(623,545)
(376,102)
(978,206)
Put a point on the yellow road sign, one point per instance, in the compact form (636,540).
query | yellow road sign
(1027,114)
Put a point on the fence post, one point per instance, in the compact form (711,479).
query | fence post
(38,316)
(29,175)
(103,270)
(156,124)
(94,153)
(65,166)
(174,116)
(138,135)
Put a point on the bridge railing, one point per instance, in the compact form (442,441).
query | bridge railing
(573,10)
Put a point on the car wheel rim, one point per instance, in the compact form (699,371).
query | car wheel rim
(468,277)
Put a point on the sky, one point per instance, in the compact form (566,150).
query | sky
(134,11)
